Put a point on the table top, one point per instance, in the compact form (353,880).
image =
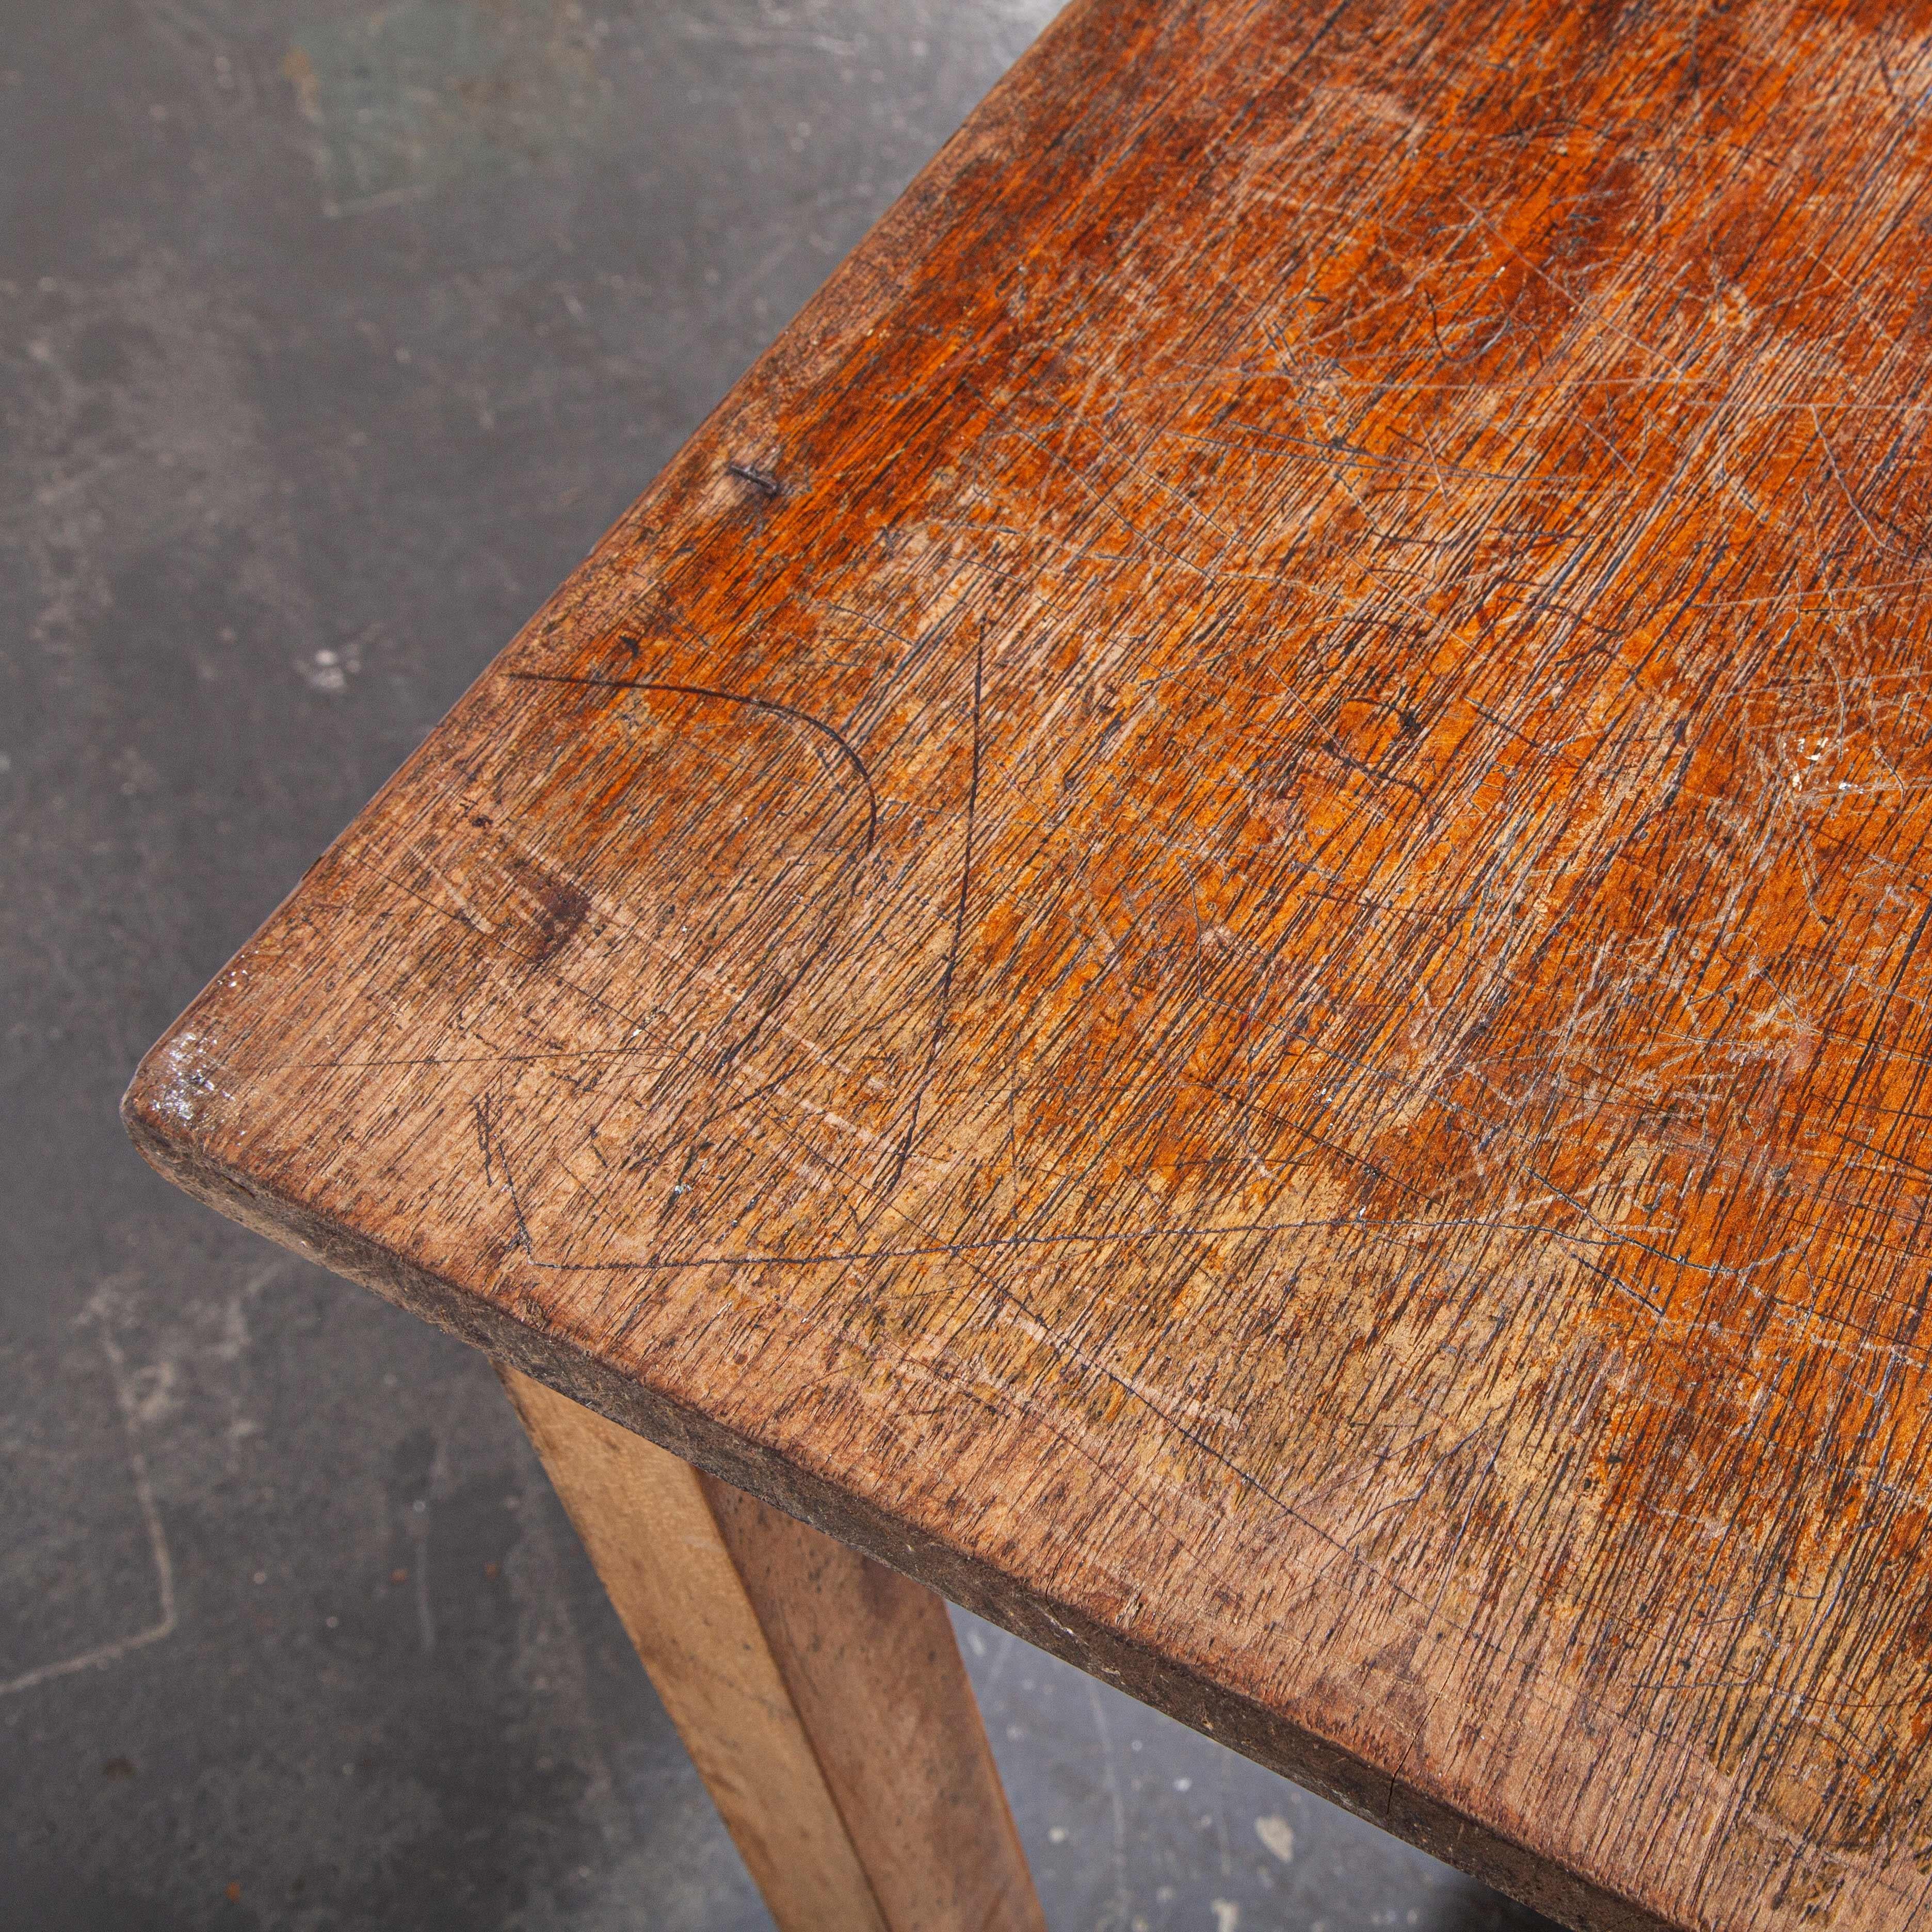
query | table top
(1212,927)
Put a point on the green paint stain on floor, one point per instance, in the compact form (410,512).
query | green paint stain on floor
(402,100)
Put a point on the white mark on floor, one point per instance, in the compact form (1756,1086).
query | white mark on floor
(1278,1834)
(1227,1915)
(105,1653)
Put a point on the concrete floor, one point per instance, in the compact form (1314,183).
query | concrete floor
(334,332)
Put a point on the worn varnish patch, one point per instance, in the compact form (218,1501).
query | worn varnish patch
(1215,927)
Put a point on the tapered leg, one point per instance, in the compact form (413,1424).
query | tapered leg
(821,1695)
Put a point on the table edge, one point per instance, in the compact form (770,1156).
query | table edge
(1370,1791)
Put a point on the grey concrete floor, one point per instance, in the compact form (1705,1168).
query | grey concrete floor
(334,332)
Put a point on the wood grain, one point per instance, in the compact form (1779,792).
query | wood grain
(645,1520)
(821,1694)
(1214,928)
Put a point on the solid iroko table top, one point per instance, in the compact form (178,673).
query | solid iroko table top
(1212,926)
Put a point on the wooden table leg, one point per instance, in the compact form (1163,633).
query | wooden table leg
(821,1695)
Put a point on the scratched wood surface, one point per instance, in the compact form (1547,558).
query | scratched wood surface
(1214,928)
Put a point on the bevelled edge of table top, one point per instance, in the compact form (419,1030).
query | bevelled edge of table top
(1065,1629)
(1210,927)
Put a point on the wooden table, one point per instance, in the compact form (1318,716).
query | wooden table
(1211,929)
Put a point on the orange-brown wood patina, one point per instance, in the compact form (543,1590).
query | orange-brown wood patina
(1214,927)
